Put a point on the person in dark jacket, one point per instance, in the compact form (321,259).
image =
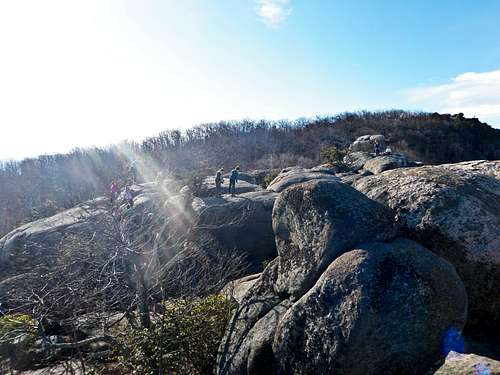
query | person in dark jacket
(128,197)
(219,181)
(233,179)
(376,147)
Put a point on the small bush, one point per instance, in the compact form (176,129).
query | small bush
(13,324)
(17,333)
(269,178)
(334,156)
(184,339)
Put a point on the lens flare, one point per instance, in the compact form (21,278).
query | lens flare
(452,341)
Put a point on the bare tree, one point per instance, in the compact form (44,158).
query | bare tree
(127,263)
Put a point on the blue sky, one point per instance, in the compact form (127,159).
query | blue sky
(76,73)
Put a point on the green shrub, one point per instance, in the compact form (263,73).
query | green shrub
(184,338)
(270,177)
(335,157)
(17,330)
(332,155)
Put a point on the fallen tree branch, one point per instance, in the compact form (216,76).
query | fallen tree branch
(78,344)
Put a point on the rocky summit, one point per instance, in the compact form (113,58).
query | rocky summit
(454,210)
(349,241)
(343,294)
(388,267)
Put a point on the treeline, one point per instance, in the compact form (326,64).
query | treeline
(38,187)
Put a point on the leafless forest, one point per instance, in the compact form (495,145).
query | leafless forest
(38,187)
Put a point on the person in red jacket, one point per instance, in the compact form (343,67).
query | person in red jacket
(113,191)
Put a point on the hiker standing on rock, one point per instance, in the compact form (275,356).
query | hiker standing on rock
(129,199)
(218,181)
(113,191)
(233,179)
(376,147)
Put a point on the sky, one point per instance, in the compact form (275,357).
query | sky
(95,72)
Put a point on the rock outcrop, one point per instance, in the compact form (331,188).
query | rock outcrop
(327,168)
(315,222)
(468,364)
(363,162)
(247,345)
(297,175)
(357,159)
(245,223)
(379,309)
(454,210)
(384,163)
(34,241)
(365,143)
(477,167)
(362,157)
(330,302)
(368,279)
(241,223)
(349,177)
(242,176)
(242,186)
(237,289)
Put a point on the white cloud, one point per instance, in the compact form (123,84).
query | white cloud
(474,94)
(273,12)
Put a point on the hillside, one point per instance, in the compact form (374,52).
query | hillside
(38,187)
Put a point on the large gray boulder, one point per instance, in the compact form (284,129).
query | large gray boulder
(382,308)
(454,210)
(383,163)
(241,187)
(243,176)
(476,167)
(241,223)
(349,177)
(293,176)
(357,159)
(168,186)
(237,289)
(38,245)
(379,309)
(365,143)
(247,345)
(327,168)
(30,244)
(34,242)
(10,286)
(315,222)
(314,308)
(468,364)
